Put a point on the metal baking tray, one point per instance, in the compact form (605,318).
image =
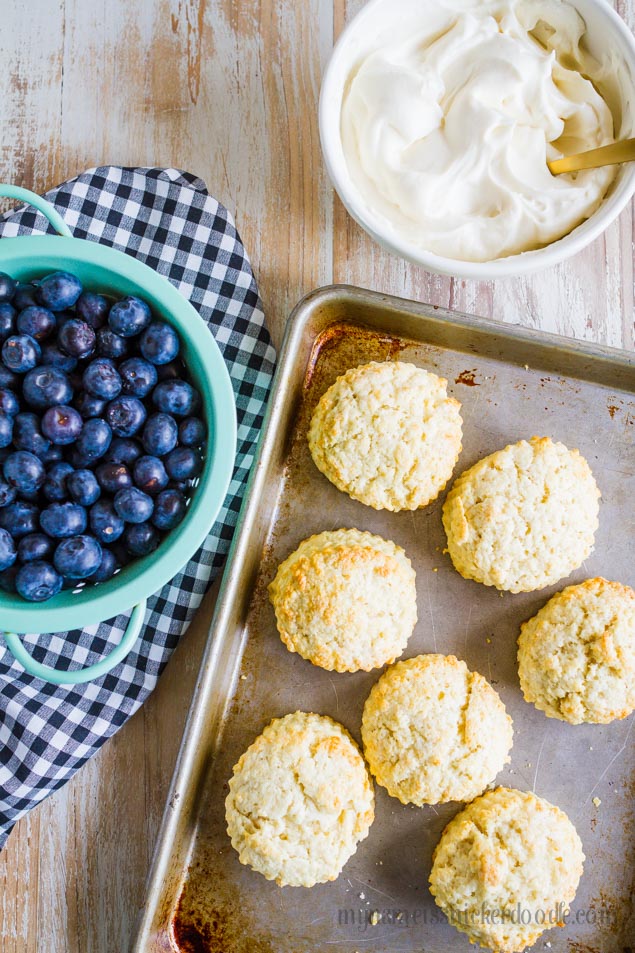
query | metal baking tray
(512,383)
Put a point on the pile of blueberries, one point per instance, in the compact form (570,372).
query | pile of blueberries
(101,438)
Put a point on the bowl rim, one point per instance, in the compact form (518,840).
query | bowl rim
(510,266)
(40,253)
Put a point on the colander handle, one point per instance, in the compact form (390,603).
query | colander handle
(31,198)
(49,674)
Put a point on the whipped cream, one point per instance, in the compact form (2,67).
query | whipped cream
(448,123)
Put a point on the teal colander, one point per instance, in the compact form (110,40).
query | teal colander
(104,269)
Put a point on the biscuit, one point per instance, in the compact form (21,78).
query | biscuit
(433,731)
(345,600)
(387,434)
(299,801)
(523,517)
(576,657)
(506,869)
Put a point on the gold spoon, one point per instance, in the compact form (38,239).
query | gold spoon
(606,155)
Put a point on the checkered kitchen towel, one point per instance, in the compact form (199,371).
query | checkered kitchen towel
(165,218)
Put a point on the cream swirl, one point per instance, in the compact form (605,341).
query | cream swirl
(447,128)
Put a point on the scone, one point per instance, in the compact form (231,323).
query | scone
(345,600)
(433,731)
(299,801)
(387,434)
(506,869)
(576,657)
(523,517)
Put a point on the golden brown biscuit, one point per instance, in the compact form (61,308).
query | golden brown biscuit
(299,801)
(433,731)
(576,657)
(523,517)
(506,869)
(387,434)
(345,600)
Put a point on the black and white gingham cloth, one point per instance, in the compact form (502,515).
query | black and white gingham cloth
(165,218)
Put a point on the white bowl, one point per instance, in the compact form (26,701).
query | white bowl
(606,32)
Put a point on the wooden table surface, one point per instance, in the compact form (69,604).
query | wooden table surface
(226,89)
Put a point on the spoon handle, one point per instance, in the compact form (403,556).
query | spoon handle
(606,155)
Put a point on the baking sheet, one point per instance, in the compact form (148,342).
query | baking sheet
(512,383)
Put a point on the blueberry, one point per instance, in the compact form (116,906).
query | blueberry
(7,286)
(8,554)
(62,317)
(7,578)
(20,518)
(8,494)
(59,290)
(183,463)
(24,471)
(104,521)
(159,435)
(107,567)
(126,416)
(192,432)
(24,296)
(35,546)
(175,397)
(7,320)
(129,317)
(9,403)
(159,343)
(113,477)
(45,387)
(92,308)
(75,379)
(38,322)
(27,434)
(140,539)
(55,489)
(83,487)
(76,338)
(110,344)
(61,520)
(52,455)
(6,430)
(101,379)
(124,450)
(78,558)
(89,406)
(7,377)
(169,509)
(138,377)
(62,425)
(38,581)
(20,353)
(149,475)
(94,440)
(133,505)
(120,552)
(53,357)
(169,372)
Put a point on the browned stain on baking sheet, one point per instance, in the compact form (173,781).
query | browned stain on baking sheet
(613,409)
(468,378)
(216,933)
(356,342)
